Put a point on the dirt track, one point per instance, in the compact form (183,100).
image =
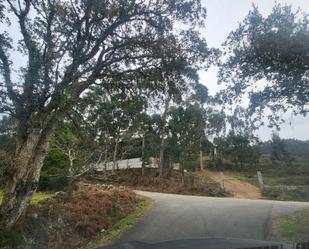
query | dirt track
(239,189)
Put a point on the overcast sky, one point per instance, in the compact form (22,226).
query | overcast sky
(223,16)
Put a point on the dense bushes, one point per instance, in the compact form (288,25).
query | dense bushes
(53,172)
(223,164)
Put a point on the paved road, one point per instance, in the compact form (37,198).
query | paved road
(179,217)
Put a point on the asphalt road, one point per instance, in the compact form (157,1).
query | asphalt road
(175,217)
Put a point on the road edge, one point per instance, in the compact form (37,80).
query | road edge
(112,234)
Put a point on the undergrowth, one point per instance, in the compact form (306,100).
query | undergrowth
(60,223)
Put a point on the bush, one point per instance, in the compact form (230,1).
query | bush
(192,165)
(52,183)
(53,171)
(282,194)
(221,164)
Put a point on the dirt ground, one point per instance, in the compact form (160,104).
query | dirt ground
(238,188)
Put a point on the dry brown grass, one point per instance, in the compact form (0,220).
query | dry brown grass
(174,186)
(167,184)
(58,223)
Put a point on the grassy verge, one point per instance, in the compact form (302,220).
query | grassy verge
(121,226)
(273,182)
(293,227)
(282,194)
(37,197)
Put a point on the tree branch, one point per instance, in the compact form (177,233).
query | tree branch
(7,76)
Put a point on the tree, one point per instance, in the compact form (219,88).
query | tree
(275,49)
(115,114)
(201,97)
(278,150)
(240,149)
(239,145)
(79,153)
(7,141)
(176,78)
(184,127)
(69,46)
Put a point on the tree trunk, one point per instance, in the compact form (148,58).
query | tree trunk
(115,154)
(162,135)
(23,180)
(143,154)
(161,155)
(105,160)
(71,188)
(201,157)
(182,172)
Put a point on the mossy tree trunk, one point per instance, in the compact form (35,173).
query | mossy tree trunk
(23,178)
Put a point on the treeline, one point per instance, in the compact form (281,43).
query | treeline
(298,149)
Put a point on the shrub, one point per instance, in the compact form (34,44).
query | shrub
(282,194)
(221,164)
(59,223)
(52,183)
(53,171)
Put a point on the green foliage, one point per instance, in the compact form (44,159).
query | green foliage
(13,238)
(186,127)
(37,197)
(53,172)
(201,94)
(239,146)
(279,152)
(7,143)
(218,163)
(238,149)
(7,138)
(273,48)
(298,149)
(283,194)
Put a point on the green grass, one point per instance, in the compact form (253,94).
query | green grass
(281,194)
(41,196)
(37,197)
(293,227)
(121,226)
(274,180)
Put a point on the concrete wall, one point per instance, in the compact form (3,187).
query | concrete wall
(133,163)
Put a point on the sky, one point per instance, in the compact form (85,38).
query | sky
(223,16)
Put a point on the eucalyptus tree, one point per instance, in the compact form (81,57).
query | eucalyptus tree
(201,97)
(174,84)
(177,79)
(114,114)
(213,121)
(279,152)
(69,46)
(184,127)
(240,144)
(267,57)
